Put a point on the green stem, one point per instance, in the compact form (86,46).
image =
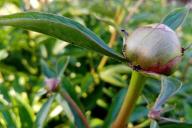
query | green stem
(133,93)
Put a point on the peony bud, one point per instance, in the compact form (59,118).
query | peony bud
(154,48)
(51,84)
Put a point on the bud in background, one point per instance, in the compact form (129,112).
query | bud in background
(154,48)
(52,84)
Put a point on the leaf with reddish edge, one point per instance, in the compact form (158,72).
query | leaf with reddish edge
(169,86)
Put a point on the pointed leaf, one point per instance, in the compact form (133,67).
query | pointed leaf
(61,65)
(9,118)
(43,113)
(76,118)
(169,86)
(60,27)
(154,124)
(113,74)
(8,115)
(47,71)
(87,81)
(175,18)
(25,112)
(66,107)
(115,107)
(68,86)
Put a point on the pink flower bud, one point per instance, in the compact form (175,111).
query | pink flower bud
(154,114)
(51,83)
(154,48)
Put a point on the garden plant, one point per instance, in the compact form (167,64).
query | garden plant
(151,54)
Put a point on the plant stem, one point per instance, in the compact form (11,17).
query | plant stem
(75,107)
(133,93)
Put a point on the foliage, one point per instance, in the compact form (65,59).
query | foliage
(26,58)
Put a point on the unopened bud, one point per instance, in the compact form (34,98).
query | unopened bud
(51,84)
(154,48)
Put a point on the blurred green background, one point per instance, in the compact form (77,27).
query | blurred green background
(95,83)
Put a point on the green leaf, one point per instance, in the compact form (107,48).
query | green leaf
(70,109)
(188,112)
(175,125)
(67,85)
(115,107)
(8,116)
(87,81)
(77,52)
(169,86)
(61,65)
(25,112)
(91,100)
(60,27)
(139,112)
(66,108)
(154,124)
(47,71)
(43,113)
(113,74)
(175,18)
